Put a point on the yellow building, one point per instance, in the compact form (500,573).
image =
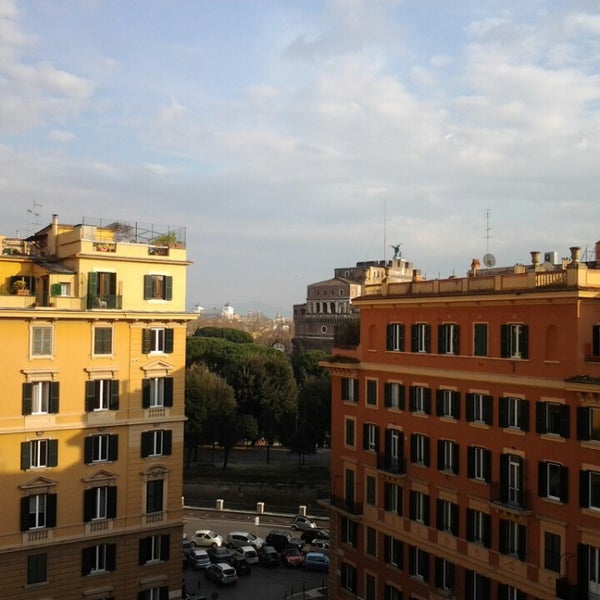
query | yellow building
(93,325)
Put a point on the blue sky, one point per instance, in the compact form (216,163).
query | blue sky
(291,137)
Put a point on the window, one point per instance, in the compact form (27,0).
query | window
(393,458)
(154,548)
(419,507)
(552,551)
(448,404)
(448,456)
(419,449)
(371,392)
(589,489)
(508,592)
(36,454)
(371,541)
(98,559)
(392,593)
(60,289)
(588,562)
(101,448)
(448,338)
(37,568)
(101,394)
(552,418)
(99,503)
(553,481)
(394,395)
(349,489)
(480,335)
(348,573)
(514,340)
(370,587)
(41,340)
(38,511)
(477,587)
(158,287)
(588,423)
(371,494)
(156,443)
(512,539)
(350,426)
(349,389)
(420,399)
(418,563)
(393,551)
(349,531)
(447,516)
(103,337)
(445,574)
(478,527)
(596,340)
(511,480)
(370,437)
(420,337)
(155,593)
(479,409)
(513,413)
(157,339)
(40,398)
(394,337)
(157,392)
(392,501)
(479,463)
(102,290)
(154,495)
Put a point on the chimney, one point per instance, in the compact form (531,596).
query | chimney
(575,253)
(597,253)
(535,258)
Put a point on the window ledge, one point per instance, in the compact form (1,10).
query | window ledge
(513,430)
(552,437)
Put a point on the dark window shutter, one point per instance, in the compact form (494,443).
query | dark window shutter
(505,341)
(439,514)
(488,410)
(145,393)
(111,557)
(427,452)
(376,438)
(583,423)
(583,571)
(114,394)
(503,411)
(387,395)
(412,504)
(413,447)
(147,287)
(440,455)
(400,504)
(414,338)
(401,396)
(564,420)
(564,484)
(387,447)
(427,400)
(27,398)
(88,449)
(387,540)
(165,547)
(426,509)
(456,405)
(469,407)
(596,340)
(441,339)
(412,391)
(365,443)
(542,478)
(167,442)
(522,548)
(503,536)
(169,338)
(88,556)
(470,524)
(487,454)
(90,395)
(355,386)
(502,591)
(439,403)
(456,339)
(584,488)
(504,478)
(470,462)
(52,453)
(144,550)
(427,338)
(25,455)
(92,289)
(401,337)
(540,417)
(426,566)
(89,497)
(524,341)
(455,458)
(168,391)
(111,508)
(146,341)
(455,517)
(524,407)
(51,510)
(389,336)
(25,513)
(168,287)
(113,447)
(439,566)
(54,395)
(147,443)
(163,592)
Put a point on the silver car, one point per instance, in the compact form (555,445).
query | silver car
(237,539)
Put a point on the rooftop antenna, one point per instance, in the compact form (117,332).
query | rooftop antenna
(34,211)
(384,226)
(489,260)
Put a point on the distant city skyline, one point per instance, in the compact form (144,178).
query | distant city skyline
(284,135)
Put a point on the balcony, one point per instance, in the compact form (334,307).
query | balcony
(348,505)
(105,302)
(395,466)
(512,500)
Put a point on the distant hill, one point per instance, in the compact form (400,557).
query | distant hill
(243,308)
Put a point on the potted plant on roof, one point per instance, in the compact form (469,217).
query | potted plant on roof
(19,287)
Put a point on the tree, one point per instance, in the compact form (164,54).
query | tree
(314,406)
(227,333)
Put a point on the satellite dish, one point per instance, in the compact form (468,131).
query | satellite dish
(489,260)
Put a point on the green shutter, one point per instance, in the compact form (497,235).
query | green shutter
(147,438)
(52,453)
(25,455)
(147,287)
(167,442)
(92,293)
(146,340)
(54,395)
(114,395)
(90,395)
(55,289)
(168,288)
(168,389)
(88,449)
(27,398)
(146,393)
(113,447)
(169,338)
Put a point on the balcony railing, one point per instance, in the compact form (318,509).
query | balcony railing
(106,301)
(510,498)
(397,466)
(348,505)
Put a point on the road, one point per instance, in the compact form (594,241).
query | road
(262,584)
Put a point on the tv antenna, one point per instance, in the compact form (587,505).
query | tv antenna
(34,211)
(489,260)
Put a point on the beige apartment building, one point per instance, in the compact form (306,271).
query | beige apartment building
(93,322)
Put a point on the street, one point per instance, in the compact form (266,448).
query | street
(277,583)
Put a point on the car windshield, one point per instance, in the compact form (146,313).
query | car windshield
(293,551)
(250,536)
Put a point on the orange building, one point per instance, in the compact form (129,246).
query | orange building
(466,437)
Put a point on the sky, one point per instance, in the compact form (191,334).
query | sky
(292,137)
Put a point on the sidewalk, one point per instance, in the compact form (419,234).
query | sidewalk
(315,594)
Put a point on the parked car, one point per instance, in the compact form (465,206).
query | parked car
(237,539)
(249,553)
(267,556)
(219,554)
(188,547)
(314,534)
(320,546)
(280,539)
(240,564)
(301,523)
(199,558)
(221,573)
(316,561)
(291,556)
(206,538)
